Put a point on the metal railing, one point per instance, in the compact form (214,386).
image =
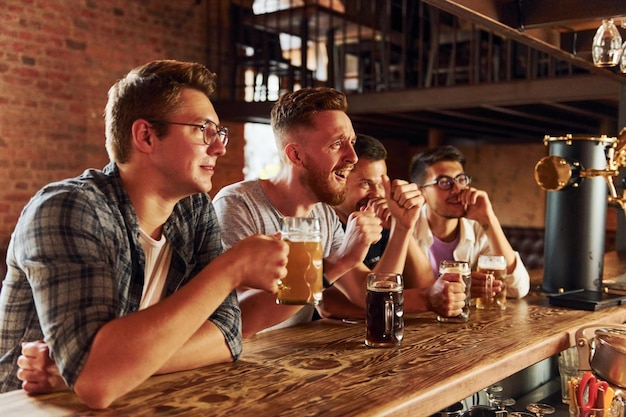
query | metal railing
(365,46)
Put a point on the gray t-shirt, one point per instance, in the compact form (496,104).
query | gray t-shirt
(243,210)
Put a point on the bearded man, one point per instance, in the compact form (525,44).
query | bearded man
(316,140)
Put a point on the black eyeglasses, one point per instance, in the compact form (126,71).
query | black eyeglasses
(210,131)
(445,182)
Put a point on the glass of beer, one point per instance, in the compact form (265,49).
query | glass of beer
(303,282)
(462,268)
(384,310)
(494,266)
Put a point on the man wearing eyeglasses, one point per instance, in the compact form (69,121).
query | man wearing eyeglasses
(316,139)
(120,273)
(458,221)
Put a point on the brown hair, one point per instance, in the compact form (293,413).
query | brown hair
(150,92)
(296,109)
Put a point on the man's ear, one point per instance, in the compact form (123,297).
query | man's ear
(293,154)
(143,135)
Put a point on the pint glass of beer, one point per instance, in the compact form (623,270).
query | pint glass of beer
(495,268)
(303,283)
(462,268)
(384,310)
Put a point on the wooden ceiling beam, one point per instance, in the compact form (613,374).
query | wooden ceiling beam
(494,121)
(575,88)
(528,116)
(576,110)
(552,13)
(236,111)
(447,121)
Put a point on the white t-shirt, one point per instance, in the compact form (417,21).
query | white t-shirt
(243,209)
(158,257)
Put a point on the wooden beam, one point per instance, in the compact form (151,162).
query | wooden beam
(237,111)
(584,87)
(449,122)
(551,13)
(575,110)
(527,116)
(491,121)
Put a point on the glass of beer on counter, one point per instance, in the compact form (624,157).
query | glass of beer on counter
(303,282)
(462,268)
(384,310)
(494,266)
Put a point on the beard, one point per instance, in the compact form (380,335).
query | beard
(321,186)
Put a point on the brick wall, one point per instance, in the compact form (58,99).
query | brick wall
(59,57)
(57,60)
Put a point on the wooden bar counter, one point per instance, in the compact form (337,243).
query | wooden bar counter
(324,369)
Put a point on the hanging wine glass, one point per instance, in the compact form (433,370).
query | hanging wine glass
(606,48)
(540,409)
(622,65)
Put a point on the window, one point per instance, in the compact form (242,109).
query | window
(260,153)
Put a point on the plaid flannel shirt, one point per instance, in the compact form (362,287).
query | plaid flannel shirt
(75,263)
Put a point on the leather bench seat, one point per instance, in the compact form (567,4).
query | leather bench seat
(529,242)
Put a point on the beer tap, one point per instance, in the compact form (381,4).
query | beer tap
(576,214)
(554,173)
(617,159)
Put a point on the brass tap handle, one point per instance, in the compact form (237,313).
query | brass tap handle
(553,173)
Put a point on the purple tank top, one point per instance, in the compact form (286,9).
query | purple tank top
(441,251)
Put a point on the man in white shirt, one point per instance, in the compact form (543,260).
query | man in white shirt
(458,221)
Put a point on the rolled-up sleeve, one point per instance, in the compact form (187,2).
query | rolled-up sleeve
(196,218)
